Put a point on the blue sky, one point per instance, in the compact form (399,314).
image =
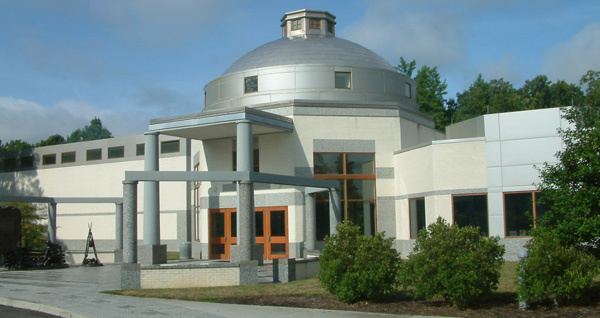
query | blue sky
(63,62)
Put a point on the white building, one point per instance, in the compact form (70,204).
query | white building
(316,107)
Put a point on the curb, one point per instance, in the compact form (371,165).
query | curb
(55,311)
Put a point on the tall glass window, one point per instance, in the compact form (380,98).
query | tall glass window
(471,210)
(356,174)
(416,210)
(521,212)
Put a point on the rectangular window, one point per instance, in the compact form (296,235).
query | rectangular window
(170,146)
(416,210)
(296,24)
(329,26)
(139,149)
(343,80)
(49,159)
(521,212)
(116,152)
(250,84)
(407,90)
(93,154)
(67,157)
(314,23)
(26,162)
(471,210)
(356,174)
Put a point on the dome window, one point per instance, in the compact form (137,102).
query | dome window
(343,80)
(296,24)
(250,84)
(314,24)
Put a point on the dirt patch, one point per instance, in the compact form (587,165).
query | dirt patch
(499,305)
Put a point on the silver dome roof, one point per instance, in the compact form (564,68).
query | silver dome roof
(325,50)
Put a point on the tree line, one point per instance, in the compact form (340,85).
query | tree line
(93,131)
(496,95)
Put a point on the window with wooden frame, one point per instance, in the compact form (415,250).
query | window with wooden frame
(296,25)
(471,210)
(314,23)
(356,174)
(521,212)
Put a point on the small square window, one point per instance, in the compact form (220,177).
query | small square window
(407,90)
(343,80)
(250,84)
(49,159)
(296,24)
(67,157)
(171,146)
(139,149)
(116,152)
(314,24)
(93,154)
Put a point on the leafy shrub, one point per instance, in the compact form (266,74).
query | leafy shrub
(456,264)
(553,272)
(355,267)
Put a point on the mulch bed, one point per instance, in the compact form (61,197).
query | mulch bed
(498,305)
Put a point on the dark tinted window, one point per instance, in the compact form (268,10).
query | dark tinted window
(49,159)
(417,216)
(328,163)
(250,84)
(518,211)
(93,154)
(171,146)
(67,157)
(358,163)
(343,80)
(139,149)
(116,152)
(471,210)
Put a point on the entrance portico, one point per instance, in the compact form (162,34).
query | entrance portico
(242,124)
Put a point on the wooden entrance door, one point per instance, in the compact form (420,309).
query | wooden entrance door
(222,232)
(271,232)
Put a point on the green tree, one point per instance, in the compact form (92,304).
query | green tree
(430,94)
(591,83)
(451,109)
(571,187)
(52,140)
(33,234)
(536,93)
(406,68)
(93,131)
(565,94)
(16,146)
(483,97)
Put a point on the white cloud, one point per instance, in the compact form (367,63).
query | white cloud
(32,122)
(571,59)
(391,30)
(503,67)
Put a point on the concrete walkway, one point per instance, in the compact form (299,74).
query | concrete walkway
(76,292)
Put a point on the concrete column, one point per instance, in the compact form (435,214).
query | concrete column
(119,226)
(130,222)
(151,193)
(244,149)
(52,222)
(310,237)
(185,247)
(335,210)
